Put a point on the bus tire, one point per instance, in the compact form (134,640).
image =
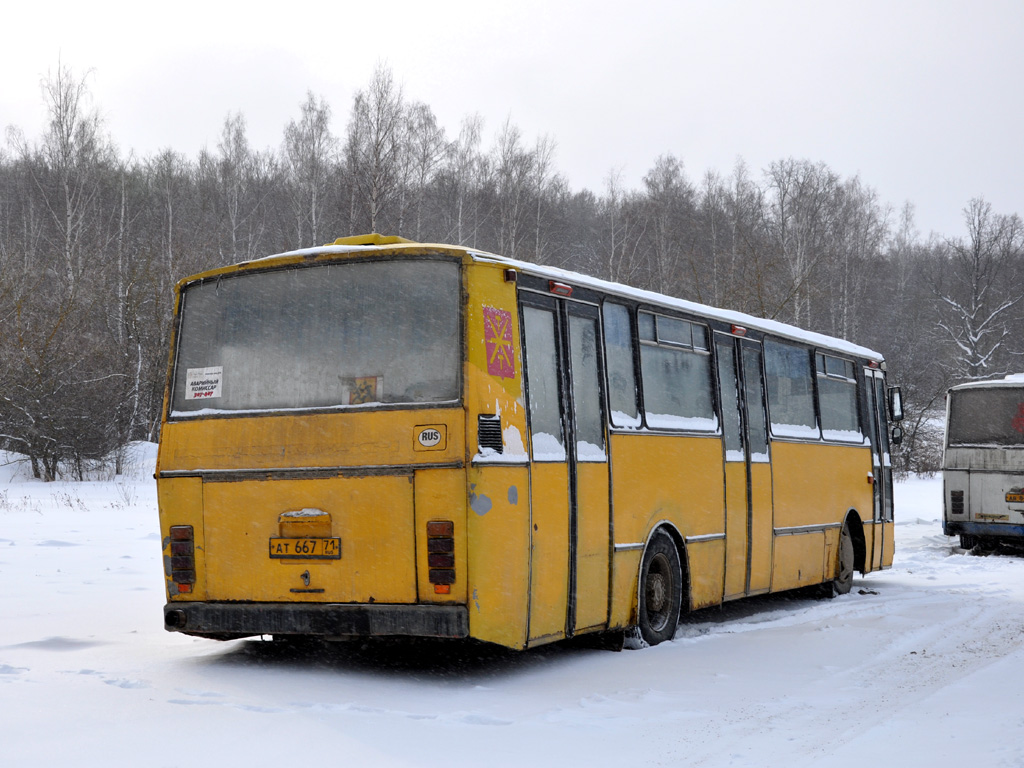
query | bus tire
(844,568)
(660,597)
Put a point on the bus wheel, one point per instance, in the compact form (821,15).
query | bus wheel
(844,575)
(661,590)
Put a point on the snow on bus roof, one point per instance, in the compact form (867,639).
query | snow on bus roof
(650,297)
(617,289)
(1012,380)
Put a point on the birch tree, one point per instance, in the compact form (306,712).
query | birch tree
(979,295)
(374,148)
(310,150)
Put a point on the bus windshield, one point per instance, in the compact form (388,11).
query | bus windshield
(987,416)
(322,336)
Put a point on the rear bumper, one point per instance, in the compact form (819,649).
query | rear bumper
(954,528)
(233,620)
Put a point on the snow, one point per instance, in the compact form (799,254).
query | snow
(919,666)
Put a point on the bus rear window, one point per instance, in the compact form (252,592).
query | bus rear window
(325,336)
(987,416)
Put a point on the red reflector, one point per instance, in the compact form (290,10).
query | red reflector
(184,588)
(440,528)
(442,589)
(559,289)
(181,532)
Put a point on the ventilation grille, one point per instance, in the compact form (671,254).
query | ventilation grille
(488,432)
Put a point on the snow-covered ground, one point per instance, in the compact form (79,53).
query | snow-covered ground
(921,665)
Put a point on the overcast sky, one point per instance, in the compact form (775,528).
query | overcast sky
(920,98)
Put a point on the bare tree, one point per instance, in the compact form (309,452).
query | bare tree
(669,210)
(374,147)
(622,235)
(980,293)
(67,166)
(513,168)
(309,152)
(542,178)
(798,217)
(426,151)
(465,164)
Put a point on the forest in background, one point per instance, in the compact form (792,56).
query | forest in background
(93,239)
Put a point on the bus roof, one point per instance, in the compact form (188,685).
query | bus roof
(376,242)
(1012,380)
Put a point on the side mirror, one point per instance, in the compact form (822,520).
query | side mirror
(897,435)
(895,404)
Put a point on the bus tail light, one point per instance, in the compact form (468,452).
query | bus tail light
(956,502)
(183,557)
(441,555)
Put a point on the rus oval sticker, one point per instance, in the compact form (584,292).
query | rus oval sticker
(430,437)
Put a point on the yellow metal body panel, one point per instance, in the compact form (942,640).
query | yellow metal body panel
(498,526)
(799,560)
(625,567)
(880,544)
(181,503)
(549,553)
(736,529)
(373,516)
(440,494)
(493,381)
(704,559)
(761,527)
(498,513)
(889,550)
(676,479)
(592,545)
(378,438)
(816,483)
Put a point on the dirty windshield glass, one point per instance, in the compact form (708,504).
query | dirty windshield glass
(987,416)
(334,335)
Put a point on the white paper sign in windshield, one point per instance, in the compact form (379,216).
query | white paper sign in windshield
(203,383)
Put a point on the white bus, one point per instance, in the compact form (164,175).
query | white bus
(983,463)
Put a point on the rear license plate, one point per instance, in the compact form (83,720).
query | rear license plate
(305,549)
(1015,498)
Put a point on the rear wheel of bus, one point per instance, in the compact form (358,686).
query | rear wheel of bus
(660,590)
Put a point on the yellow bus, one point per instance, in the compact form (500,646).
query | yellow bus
(381,437)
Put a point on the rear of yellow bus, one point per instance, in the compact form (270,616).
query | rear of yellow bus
(311,472)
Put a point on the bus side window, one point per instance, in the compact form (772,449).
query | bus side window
(675,370)
(790,390)
(547,437)
(618,346)
(837,399)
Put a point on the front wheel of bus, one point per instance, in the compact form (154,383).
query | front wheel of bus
(661,590)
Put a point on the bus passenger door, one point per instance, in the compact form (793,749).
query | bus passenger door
(748,471)
(881,465)
(569,497)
